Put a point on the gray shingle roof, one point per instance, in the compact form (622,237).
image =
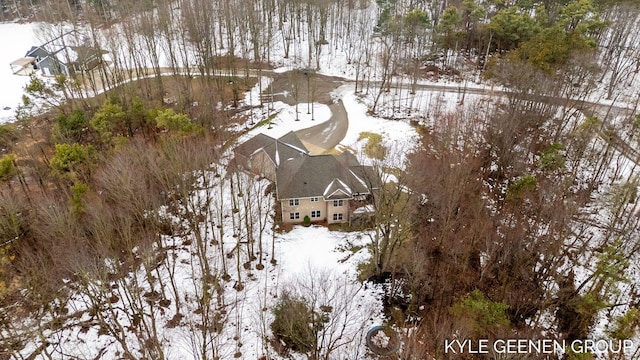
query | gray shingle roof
(281,149)
(367,174)
(254,144)
(327,176)
(300,175)
(337,189)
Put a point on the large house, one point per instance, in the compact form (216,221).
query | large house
(262,154)
(326,188)
(63,55)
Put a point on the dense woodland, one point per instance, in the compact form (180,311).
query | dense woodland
(521,220)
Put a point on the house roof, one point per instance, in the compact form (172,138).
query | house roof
(278,150)
(367,175)
(337,189)
(254,144)
(300,175)
(69,47)
(329,176)
(23,61)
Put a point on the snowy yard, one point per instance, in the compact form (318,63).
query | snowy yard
(314,263)
(17,39)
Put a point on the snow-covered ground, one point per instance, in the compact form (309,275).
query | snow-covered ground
(313,263)
(16,40)
(301,252)
(284,118)
(398,136)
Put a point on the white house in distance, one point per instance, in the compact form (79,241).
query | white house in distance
(326,188)
(63,55)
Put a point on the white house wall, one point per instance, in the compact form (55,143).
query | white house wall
(344,210)
(306,206)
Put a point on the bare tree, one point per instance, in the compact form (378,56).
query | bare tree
(619,56)
(325,303)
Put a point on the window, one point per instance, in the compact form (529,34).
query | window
(315,213)
(314,199)
(295,216)
(337,217)
(294,202)
(337,203)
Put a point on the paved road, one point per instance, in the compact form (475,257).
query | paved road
(329,134)
(324,137)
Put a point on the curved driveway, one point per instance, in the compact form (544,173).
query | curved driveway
(328,134)
(325,136)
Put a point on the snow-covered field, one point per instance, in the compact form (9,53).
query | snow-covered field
(16,40)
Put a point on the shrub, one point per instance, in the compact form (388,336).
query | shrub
(306,221)
(589,126)
(374,147)
(293,323)
(7,167)
(485,315)
(70,128)
(171,121)
(109,119)
(627,325)
(7,135)
(519,188)
(78,191)
(70,159)
(551,159)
